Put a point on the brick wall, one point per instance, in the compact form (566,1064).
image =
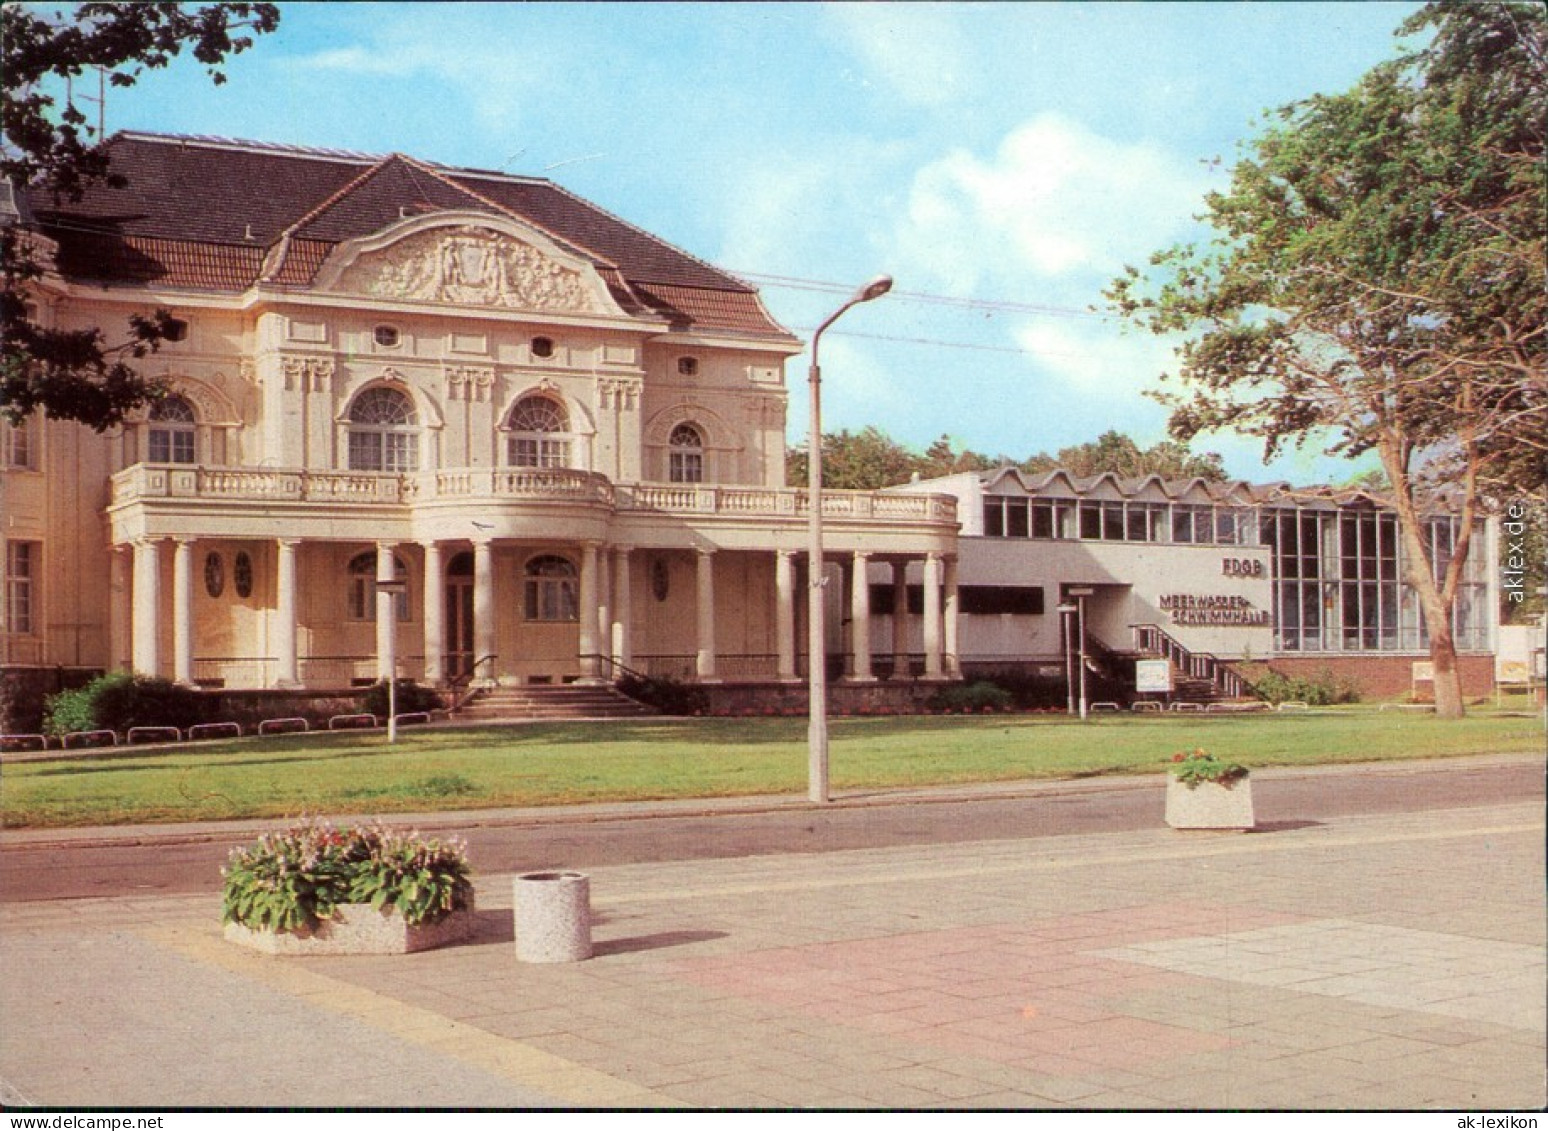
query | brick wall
(1387,677)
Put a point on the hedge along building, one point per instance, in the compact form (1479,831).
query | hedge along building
(1219,578)
(566,436)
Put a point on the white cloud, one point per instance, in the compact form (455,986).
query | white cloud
(916,51)
(1055,204)
(455,63)
(1094,356)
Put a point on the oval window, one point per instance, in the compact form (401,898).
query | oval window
(386,336)
(542,347)
(242,575)
(214,574)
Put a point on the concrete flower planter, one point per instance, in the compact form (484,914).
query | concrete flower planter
(553,916)
(1210,805)
(357,929)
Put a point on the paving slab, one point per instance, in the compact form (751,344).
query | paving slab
(1389,962)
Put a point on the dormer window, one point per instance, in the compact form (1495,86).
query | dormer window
(688,366)
(542,347)
(387,336)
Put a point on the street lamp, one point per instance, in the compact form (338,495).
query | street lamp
(1065,611)
(816,634)
(1080,596)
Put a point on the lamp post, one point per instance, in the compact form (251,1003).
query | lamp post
(1080,596)
(1066,610)
(391,587)
(816,634)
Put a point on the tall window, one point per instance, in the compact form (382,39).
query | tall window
(172,431)
(360,600)
(16,446)
(551,589)
(382,432)
(21,570)
(685,456)
(539,434)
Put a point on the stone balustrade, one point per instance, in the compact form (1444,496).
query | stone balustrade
(144,483)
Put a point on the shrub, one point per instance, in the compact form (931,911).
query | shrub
(976,697)
(1322,690)
(1193,767)
(669,696)
(119,700)
(412,698)
(297,878)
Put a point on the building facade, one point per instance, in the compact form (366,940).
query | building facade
(1210,575)
(470,428)
(563,435)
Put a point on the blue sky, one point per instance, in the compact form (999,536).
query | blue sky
(1009,156)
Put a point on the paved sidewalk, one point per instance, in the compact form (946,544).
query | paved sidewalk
(1386,962)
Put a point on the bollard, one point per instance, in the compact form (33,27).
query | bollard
(553,917)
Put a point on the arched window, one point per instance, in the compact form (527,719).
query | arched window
(685,455)
(360,600)
(539,433)
(172,431)
(382,432)
(551,589)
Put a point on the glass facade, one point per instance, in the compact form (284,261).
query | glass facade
(1338,582)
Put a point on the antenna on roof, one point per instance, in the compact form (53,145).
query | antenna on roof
(573,160)
(100,100)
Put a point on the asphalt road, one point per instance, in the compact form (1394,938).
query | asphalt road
(177,864)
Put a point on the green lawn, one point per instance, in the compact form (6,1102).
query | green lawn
(564,763)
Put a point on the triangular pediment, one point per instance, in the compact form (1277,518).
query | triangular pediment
(469,259)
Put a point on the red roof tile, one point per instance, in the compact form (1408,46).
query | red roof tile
(206,213)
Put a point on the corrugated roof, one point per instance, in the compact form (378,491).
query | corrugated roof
(206,212)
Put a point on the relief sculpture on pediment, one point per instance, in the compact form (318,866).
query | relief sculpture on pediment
(470,266)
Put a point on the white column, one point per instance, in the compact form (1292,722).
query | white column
(588,613)
(120,609)
(287,672)
(932,616)
(953,605)
(483,610)
(784,614)
(182,611)
(622,607)
(860,616)
(433,603)
(900,664)
(604,641)
(147,606)
(706,616)
(386,620)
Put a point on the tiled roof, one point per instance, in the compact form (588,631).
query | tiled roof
(216,214)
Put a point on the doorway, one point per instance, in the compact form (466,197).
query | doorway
(459,617)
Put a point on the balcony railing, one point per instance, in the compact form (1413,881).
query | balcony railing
(147,482)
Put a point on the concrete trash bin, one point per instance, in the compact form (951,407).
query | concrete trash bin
(553,917)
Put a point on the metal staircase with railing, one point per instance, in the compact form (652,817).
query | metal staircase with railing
(1197,677)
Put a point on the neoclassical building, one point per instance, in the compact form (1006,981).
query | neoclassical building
(563,435)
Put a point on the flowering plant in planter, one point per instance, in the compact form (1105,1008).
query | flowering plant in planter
(1196,766)
(297,878)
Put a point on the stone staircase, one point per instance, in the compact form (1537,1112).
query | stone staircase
(555,701)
